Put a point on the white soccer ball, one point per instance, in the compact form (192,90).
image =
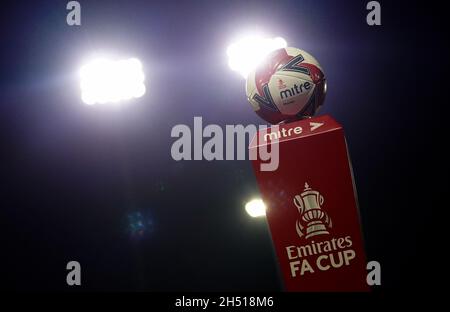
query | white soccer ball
(289,85)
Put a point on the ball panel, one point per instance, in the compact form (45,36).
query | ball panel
(308,58)
(253,102)
(291,92)
(265,70)
(272,118)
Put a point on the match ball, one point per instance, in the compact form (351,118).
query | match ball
(289,85)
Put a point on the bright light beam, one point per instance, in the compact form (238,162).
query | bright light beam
(110,81)
(245,54)
(256,208)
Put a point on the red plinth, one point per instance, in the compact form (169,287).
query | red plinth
(312,208)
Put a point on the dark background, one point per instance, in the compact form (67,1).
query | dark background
(76,179)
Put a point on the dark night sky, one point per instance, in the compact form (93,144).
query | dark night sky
(74,176)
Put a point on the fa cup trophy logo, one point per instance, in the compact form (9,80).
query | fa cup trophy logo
(316,220)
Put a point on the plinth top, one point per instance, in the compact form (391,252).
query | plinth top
(295,130)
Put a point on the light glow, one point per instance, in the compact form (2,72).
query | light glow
(110,81)
(256,208)
(245,54)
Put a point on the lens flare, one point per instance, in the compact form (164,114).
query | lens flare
(245,54)
(256,208)
(109,81)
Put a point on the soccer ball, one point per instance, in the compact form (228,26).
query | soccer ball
(289,85)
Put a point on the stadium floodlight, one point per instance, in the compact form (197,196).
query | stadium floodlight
(245,54)
(256,208)
(109,81)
